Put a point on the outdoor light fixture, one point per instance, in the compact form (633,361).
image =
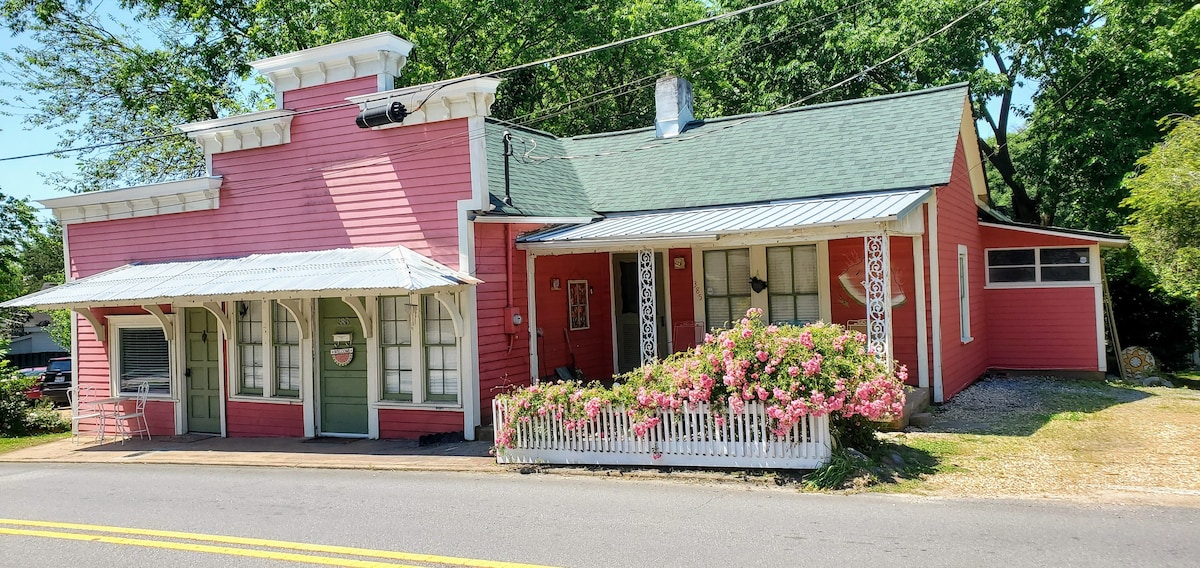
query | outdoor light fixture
(757,284)
(393,113)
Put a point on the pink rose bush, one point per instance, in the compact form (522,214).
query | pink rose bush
(819,369)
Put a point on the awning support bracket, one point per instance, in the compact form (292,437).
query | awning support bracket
(223,318)
(167,320)
(294,307)
(94,320)
(359,305)
(447,300)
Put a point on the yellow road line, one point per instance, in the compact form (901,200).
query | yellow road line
(189,547)
(304,546)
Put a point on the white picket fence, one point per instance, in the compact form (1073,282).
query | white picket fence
(683,438)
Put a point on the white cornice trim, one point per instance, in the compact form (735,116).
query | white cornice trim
(435,102)
(242,132)
(376,54)
(196,194)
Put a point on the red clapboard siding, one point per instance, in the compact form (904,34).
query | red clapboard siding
(412,424)
(592,347)
(257,419)
(957,223)
(1042,328)
(683,309)
(846,257)
(503,358)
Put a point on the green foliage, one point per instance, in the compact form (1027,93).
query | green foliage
(20,416)
(1165,198)
(841,467)
(60,327)
(1147,315)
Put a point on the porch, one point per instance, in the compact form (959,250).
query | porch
(610,296)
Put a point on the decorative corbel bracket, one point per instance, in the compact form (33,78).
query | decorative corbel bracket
(97,327)
(167,320)
(223,318)
(359,305)
(447,300)
(295,308)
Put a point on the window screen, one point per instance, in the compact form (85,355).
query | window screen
(145,358)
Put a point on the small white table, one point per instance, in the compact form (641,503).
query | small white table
(107,407)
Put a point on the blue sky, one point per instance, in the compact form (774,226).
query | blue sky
(24,178)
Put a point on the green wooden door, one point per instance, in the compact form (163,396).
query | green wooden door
(343,396)
(203,374)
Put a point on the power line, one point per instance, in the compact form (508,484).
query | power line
(436,86)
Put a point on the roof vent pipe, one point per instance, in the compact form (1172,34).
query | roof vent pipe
(672,106)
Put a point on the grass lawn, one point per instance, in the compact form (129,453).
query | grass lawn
(1050,438)
(10,444)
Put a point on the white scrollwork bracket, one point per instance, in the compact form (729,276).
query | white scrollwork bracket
(649,334)
(879,296)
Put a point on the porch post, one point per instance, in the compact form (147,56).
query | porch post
(649,335)
(879,296)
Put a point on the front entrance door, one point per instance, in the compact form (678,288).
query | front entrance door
(628,310)
(203,375)
(343,388)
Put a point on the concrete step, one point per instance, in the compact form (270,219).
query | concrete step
(916,402)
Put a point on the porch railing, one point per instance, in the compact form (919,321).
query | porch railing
(691,437)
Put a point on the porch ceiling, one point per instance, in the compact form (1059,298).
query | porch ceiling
(351,271)
(711,221)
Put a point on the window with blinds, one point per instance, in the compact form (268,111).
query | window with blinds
(441,353)
(395,338)
(145,358)
(285,337)
(726,286)
(250,348)
(792,285)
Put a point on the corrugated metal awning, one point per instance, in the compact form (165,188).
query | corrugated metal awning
(813,212)
(351,271)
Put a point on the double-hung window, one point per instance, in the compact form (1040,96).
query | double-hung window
(420,351)
(792,295)
(268,350)
(964,296)
(726,285)
(1038,265)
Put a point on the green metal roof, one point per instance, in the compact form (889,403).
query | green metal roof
(896,141)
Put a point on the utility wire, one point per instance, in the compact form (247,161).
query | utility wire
(436,86)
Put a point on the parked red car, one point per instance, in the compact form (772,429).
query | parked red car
(35,391)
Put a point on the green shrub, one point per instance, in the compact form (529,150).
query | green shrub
(20,416)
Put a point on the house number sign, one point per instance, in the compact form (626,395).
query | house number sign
(342,352)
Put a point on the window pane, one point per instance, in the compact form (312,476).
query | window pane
(1010,257)
(1075,256)
(286,336)
(1066,273)
(144,359)
(792,284)
(727,285)
(779,270)
(717,311)
(716,278)
(808,308)
(250,352)
(396,343)
(739,271)
(783,309)
(441,353)
(1023,274)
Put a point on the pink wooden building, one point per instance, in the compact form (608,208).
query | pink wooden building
(387,279)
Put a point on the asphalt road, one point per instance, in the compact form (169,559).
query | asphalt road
(547,520)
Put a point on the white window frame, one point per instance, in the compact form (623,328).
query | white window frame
(791,294)
(758,267)
(1037,282)
(417,345)
(268,348)
(115,324)
(964,294)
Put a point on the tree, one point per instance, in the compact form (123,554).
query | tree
(1165,198)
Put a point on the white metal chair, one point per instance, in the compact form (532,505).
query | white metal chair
(138,416)
(79,415)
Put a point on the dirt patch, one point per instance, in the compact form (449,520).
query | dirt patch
(1064,439)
